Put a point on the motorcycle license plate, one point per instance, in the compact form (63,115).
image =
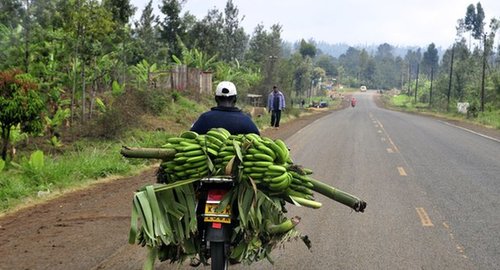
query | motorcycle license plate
(211,214)
(214,198)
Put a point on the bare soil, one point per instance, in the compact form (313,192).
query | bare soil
(88,228)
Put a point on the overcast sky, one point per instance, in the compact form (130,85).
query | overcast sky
(355,22)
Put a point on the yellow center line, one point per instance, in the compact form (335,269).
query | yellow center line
(402,171)
(424,218)
(389,138)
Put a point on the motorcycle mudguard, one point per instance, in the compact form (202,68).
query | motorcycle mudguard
(218,235)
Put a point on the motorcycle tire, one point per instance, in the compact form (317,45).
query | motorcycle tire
(219,259)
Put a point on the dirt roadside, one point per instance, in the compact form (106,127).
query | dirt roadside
(88,228)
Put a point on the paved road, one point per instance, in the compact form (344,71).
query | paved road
(432,192)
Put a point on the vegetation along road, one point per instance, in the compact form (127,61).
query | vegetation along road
(432,192)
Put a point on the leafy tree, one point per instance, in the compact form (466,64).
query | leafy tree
(146,35)
(478,25)
(431,58)
(307,49)
(386,74)
(20,104)
(11,50)
(235,39)
(121,10)
(172,25)
(327,63)
(11,12)
(207,34)
(350,62)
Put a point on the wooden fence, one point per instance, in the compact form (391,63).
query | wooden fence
(183,78)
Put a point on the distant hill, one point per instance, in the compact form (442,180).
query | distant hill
(338,49)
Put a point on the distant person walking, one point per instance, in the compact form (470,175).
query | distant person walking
(275,104)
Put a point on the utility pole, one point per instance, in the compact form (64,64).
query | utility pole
(409,79)
(416,83)
(484,71)
(430,92)
(450,80)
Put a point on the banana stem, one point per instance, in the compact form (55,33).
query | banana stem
(338,195)
(151,153)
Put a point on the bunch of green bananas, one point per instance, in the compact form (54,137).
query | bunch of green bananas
(263,161)
(191,159)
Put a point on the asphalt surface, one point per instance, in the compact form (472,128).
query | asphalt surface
(432,192)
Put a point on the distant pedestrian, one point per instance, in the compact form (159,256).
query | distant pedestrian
(275,104)
(302,103)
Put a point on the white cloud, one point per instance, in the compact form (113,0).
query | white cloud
(397,22)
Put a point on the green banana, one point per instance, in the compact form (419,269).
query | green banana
(194,153)
(196,159)
(263,157)
(267,151)
(189,135)
(278,179)
(277,168)
(216,134)
(264,164)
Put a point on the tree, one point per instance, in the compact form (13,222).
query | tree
(208,33)
(235,38)
(146,34)
(478,25)
(172,25)
(430,59)
(430,64)
(121,10)
(327,62)
(20,104)
(307,49)
(11,12)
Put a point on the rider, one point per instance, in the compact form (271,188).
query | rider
(225,114)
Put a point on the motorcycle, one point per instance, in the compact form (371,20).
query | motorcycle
(353,102)
(215,225)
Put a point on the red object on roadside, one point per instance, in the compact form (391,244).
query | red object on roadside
(353,101)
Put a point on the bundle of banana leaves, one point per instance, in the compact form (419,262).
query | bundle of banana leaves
(266,177)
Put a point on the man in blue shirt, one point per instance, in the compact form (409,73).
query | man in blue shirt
(275,104)
(226,114)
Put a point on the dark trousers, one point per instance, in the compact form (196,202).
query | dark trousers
(275,118)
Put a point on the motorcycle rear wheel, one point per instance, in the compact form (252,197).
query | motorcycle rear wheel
(219,259)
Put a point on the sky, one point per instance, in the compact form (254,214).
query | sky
(354,22)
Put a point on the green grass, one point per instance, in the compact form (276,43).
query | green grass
(490,118)
(93,161)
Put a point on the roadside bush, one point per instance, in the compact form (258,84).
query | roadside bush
(157,101)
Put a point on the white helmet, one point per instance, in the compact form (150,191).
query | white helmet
(225,89)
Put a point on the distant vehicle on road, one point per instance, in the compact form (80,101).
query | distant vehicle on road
(362,88)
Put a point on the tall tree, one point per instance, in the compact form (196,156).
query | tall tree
(208,33)
(430,59)
(121,10)
(478,26)
(172,26)
(146,33)
(11,12)
(235,38)
(307,49)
